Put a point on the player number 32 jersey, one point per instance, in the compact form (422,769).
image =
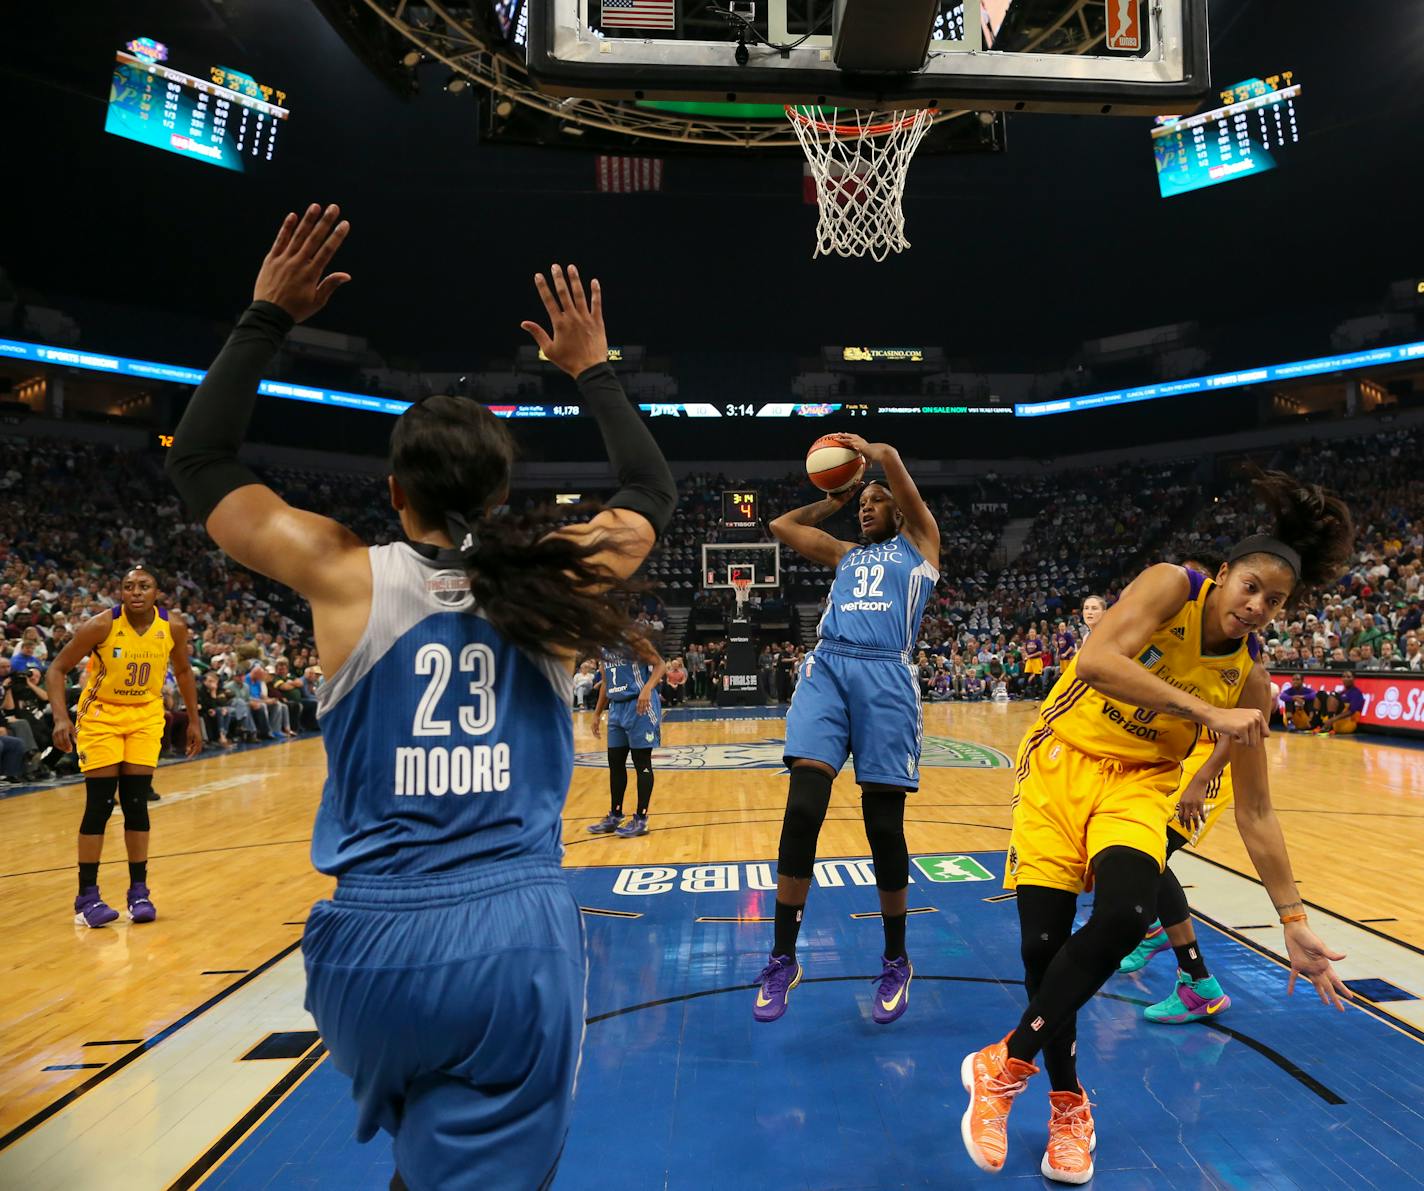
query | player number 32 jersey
(879,596)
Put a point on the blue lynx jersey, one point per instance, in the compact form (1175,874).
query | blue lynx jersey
(623,675)
(879,596)
(446,745)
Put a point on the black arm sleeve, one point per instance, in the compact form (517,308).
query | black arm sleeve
(202,462)
(645,482)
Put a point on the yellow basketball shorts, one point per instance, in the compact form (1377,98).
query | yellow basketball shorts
(108,733)
(1033,665)
(1069,806)
(1218,797)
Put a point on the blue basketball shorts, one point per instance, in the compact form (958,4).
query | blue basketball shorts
(456,1007)
(865,706)
(628,729)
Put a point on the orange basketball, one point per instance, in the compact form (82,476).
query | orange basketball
(832,466)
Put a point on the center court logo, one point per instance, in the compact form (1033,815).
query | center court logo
(938,752)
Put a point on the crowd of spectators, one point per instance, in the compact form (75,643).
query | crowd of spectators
(74,517)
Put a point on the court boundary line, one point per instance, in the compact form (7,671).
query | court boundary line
(39,1117)
(593,839)
(772,861)
(1379,934)
(221,1150)
(1360,1002)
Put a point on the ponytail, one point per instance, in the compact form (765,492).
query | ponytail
(542,590)
(452,458)
(1311,521)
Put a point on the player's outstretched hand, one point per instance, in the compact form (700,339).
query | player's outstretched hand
(578,341)
(292,273)
(1311,958)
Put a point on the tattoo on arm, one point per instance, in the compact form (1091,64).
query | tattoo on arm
(1180,709)
(1294,907)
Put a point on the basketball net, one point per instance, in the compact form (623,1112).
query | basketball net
(860,165)
(740,588)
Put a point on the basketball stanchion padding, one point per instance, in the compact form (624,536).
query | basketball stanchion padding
(832,466)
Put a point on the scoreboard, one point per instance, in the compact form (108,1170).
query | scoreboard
(227,119)
(1234,141)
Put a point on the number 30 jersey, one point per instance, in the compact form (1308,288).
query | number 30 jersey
(446,745)
(879,596)
(128,667)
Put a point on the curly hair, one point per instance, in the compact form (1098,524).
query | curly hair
(1311,520)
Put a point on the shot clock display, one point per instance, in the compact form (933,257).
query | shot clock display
(228,119)
(740,509)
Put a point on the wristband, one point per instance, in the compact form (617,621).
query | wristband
(1287,919)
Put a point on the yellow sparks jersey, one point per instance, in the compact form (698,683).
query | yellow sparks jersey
(1102,727)
(128,667)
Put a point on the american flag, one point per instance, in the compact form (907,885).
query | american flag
(624,175)
(639,14)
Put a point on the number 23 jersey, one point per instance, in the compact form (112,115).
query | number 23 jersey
(446,744)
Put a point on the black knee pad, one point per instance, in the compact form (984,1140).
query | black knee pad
(98,804)
(133,798)
(1125,899)
(643,760)
(806,804)
(884,815)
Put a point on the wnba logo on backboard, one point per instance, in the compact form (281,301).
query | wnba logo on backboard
(1124,25)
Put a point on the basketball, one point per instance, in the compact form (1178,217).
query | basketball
(832,466)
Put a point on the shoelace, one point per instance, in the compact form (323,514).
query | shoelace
(1005,1088)
(885,982)
(771,970)
(1079,1127)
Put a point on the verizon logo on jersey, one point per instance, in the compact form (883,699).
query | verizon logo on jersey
(463,769)
(866,606)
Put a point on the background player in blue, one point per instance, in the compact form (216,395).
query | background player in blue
(629,691)
(858,695)
(447,973)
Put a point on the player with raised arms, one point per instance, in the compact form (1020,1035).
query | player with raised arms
(447,972)
(1096,781)
(858,695)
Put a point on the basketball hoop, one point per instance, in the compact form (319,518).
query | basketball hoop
(740,588)
(860,168)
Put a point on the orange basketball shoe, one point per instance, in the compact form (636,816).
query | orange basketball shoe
(992,1080)
(1071,1138)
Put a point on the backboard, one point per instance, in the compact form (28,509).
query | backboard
(1109,57)
(724,561)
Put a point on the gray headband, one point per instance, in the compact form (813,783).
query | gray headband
(1263,543)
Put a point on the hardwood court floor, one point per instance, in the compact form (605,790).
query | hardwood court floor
(232,880)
